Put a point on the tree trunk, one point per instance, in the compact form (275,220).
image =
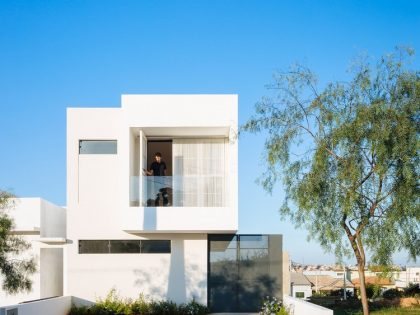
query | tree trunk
(361,269)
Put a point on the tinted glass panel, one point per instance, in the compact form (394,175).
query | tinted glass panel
(125,247)
(98,147)
(240,275)
(93,247)
(253,264)
(219,243)
(253,241)
(223,266)
(155,247)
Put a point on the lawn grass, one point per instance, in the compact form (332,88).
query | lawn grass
(385,311)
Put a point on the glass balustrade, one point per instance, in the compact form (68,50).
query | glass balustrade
(178,191)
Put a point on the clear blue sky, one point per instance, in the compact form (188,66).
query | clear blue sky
(56,54)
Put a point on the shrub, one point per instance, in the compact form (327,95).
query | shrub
(140,306)
(115,305)
(193,308)
(273,306)
(78,310)
(413,289)
(112,304)
(391,294)
(373,291)
(163,308)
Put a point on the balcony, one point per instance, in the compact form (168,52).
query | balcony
(179,191)
(197,192)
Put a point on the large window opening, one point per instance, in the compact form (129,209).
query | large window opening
(158,175)
(179,172)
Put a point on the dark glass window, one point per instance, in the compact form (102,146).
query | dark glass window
(97,146)
(239,272)
(253,241)
(94,247)
(125,247)
(155,247)
(300,295)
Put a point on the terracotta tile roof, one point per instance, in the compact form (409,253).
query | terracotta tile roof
(328,283)
(373,280)
(298,278)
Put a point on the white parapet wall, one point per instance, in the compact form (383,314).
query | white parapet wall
(54,306)
(301,307)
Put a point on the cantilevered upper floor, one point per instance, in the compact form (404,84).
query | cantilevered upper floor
(110,152)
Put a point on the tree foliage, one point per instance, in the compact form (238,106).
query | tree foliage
(14,266)
(347,156)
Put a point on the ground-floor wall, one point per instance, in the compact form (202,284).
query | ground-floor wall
(47,280)
(179,276)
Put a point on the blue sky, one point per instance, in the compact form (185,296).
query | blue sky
(56,54)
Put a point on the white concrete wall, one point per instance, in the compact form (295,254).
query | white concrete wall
(53,220)
(34,219)
(179,276)
(51,270)
(27,214)
(306,289)
(301,307)
(97,180)
(54,306)
(98,198)
(35,293)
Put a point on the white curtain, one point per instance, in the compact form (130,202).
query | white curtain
(199,169)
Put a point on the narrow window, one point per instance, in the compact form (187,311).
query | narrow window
(125,247)
(97,146)
(94,247)
(155,247)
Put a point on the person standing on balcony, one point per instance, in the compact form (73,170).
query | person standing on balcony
(158,168)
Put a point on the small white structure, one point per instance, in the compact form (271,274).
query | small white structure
(411,275)
(43,225)
(300,286)
(301,307)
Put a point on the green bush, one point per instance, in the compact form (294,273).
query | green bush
(140,306)
(391,294)
(373,291)
(193,308)
(273,306)
(413,289)
(115,305)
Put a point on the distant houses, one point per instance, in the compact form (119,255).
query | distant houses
(332,280)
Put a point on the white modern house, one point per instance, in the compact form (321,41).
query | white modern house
(171,236)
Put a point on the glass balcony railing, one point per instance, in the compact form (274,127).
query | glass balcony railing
(178,191)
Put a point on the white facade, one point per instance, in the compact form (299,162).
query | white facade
(301,291)
(409,276)
(104,192)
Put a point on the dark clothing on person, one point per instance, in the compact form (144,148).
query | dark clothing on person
(158,168)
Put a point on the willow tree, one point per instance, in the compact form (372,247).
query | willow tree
(15,266)
(348,157)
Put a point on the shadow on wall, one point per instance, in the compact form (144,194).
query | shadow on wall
(184,282)
(150,219)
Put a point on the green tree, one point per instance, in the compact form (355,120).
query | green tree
(347,157)
(15,268)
